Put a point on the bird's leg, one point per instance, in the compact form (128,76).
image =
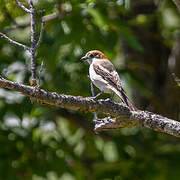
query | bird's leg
(92,89)
(93,94)
(98,95)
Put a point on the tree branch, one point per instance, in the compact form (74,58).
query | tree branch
(33,43)
(141,118)
(44,19)
(14,42)
(124,117)
(22,6)
(40,35)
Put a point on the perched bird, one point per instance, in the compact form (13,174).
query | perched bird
(105,77)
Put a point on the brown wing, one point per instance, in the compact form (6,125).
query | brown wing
(107,71)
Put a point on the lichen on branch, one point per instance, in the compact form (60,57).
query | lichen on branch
(121,116)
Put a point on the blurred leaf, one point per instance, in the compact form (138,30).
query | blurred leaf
(99,20)
(128,36)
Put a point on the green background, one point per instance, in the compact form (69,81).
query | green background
(141,38)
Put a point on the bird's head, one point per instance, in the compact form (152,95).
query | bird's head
(94,54)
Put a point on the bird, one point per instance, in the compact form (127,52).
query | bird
(104,76)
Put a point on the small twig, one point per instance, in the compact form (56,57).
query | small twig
(53,16)
(22,6)
(106,123)
(40,11)
(50,17)
(14,42)
(33,44)
(46,18)
(43,19)
(40,71)
(40,35)
(93,94)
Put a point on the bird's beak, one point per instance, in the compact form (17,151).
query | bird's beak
(84,58)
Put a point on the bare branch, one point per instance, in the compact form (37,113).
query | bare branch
(40,71)
(67,101)
(33,44)
(22,6)
(14,42)
(93,94)
(40,35)
(124,117)
(177,3)
(141,118)
(54,16)
(50,17)
(43,19)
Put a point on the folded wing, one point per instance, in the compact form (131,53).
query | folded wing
(107,71)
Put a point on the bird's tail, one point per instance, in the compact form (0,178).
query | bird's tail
(125,99)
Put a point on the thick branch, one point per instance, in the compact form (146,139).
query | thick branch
(124,117)
(141,118)
(67,101)
(156,122)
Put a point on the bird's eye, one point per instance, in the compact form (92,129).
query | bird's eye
(91,55)
(97,55)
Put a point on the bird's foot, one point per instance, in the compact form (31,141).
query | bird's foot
(95,97)
(109,100)
(92,98)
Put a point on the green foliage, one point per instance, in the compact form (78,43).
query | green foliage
(40,142)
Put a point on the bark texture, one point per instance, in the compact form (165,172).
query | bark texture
(122,116)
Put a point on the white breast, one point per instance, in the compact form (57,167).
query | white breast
(98,81)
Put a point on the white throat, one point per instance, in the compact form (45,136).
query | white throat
(90,61)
